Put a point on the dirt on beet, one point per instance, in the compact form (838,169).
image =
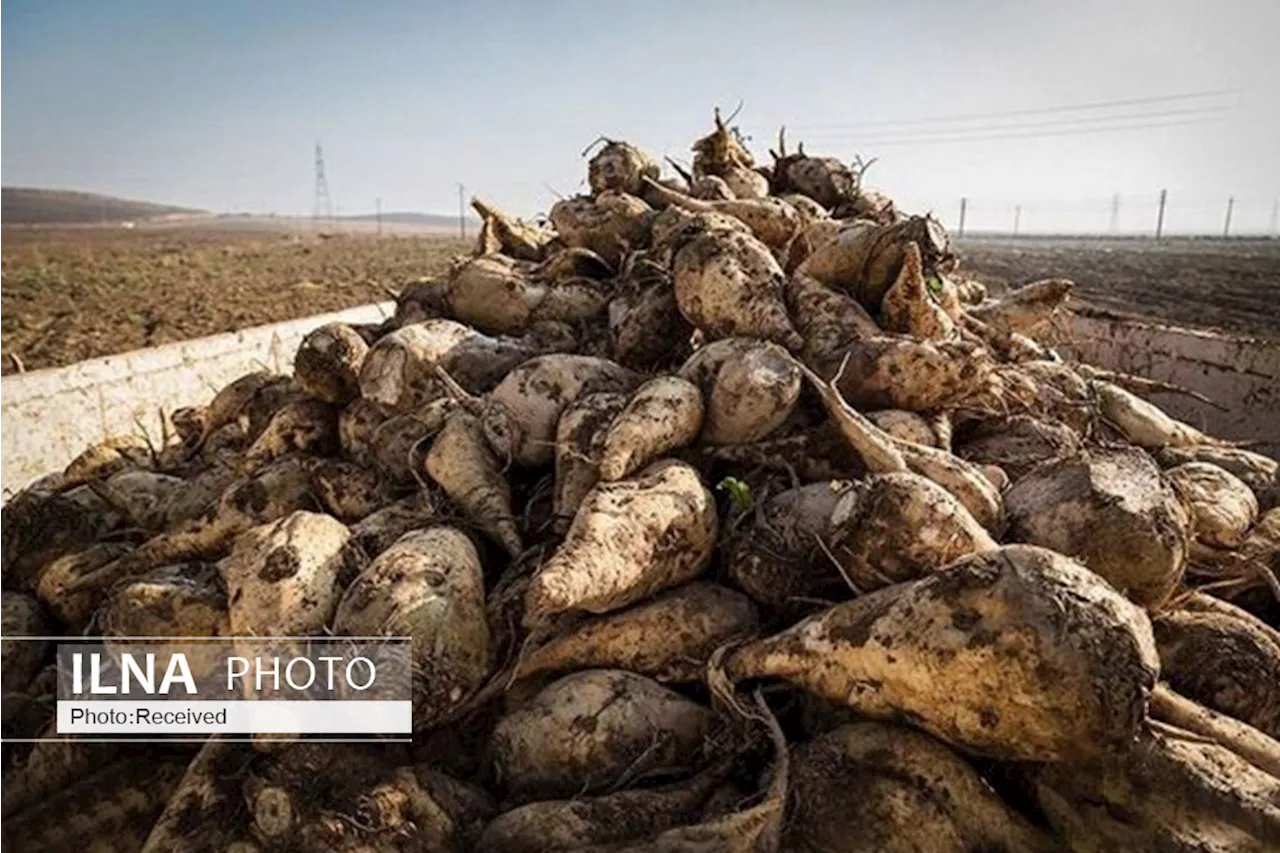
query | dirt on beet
(71,294)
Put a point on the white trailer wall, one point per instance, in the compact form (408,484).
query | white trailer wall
(47,417)
(1241,374)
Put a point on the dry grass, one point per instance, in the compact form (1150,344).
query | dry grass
(75,293)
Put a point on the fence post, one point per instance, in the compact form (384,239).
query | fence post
(1164,194)
(964,203)
(462,213)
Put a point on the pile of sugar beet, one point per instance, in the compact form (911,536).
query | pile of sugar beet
(726,513)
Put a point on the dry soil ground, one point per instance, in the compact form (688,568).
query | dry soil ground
(1228,285)
(74,293)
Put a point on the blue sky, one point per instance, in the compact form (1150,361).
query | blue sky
(219,105)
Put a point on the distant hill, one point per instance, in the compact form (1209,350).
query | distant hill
(27,205)
(405,217)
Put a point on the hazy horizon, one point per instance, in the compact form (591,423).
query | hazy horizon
(1053,107)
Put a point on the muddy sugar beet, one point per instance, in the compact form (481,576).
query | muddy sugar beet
(722,510)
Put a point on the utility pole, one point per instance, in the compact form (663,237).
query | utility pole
(964,204)
(1017,218)
(1226,225)
(323,208)
(1164,196)
(462,212)
(1114,226)
(377,206)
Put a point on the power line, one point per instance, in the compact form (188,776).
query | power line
(1031,125)
(1036,135)
(1097,105)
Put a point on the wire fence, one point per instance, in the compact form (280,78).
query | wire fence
(1159,214)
